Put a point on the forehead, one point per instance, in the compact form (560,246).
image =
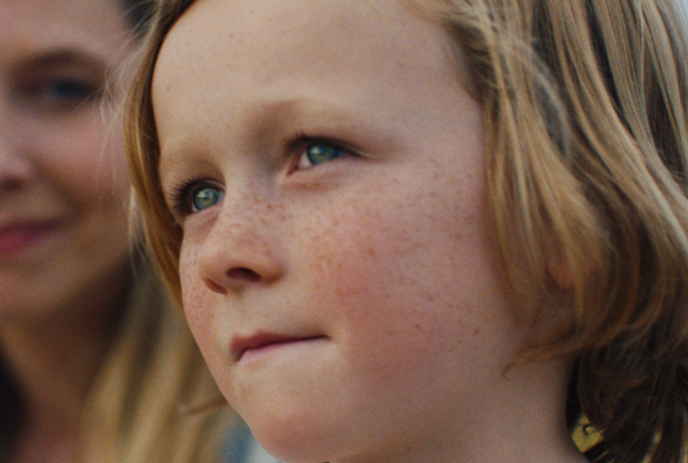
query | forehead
(332,31)
(35,27)
(296,50)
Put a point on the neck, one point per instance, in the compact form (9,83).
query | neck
(521,422)
(52,359)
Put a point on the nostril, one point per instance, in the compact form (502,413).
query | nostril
(243,274)
(235,278)
(214,287)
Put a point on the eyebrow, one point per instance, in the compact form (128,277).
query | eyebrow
(63,56)
(289,114)
(328,113)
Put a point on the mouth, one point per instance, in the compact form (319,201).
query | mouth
(263,342)
(17,237)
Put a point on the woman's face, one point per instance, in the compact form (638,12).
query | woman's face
(63,188)
(339,264)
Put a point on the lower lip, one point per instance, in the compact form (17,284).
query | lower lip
(252,355)
(18,239)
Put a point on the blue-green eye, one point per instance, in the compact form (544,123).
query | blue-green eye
(205,197)
(319,153)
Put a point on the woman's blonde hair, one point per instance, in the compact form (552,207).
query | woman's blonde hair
(585,106)
(154,399)
(141,408)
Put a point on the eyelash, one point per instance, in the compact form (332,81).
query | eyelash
(182,196)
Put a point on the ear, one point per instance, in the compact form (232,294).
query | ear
(558,266)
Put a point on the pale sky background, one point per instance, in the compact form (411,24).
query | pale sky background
(684,5)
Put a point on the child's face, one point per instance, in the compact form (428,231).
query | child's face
(339,263)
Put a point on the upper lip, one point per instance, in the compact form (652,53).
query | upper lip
(240,344)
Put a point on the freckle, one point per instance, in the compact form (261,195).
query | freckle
(476,331)
(371,252)
(418,327)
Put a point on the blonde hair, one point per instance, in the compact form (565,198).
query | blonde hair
(141,407)
(585,106)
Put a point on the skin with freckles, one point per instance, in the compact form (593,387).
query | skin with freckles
(339,262)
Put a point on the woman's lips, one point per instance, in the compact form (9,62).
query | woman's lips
(263,342)
(17,237)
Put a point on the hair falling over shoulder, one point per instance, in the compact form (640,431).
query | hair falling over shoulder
(585,105)
(154,399)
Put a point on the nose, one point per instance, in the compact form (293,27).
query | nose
(14,171)
(15,167)
(237,252)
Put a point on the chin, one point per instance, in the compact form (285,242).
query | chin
(293,438)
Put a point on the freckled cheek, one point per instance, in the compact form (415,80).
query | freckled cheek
(197,302)
(413,278)
(363,278)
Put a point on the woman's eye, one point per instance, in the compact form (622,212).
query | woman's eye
(319,153)
(61,93)
(205,197)
(68,91)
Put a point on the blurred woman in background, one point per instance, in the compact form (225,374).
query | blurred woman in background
(96,365)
